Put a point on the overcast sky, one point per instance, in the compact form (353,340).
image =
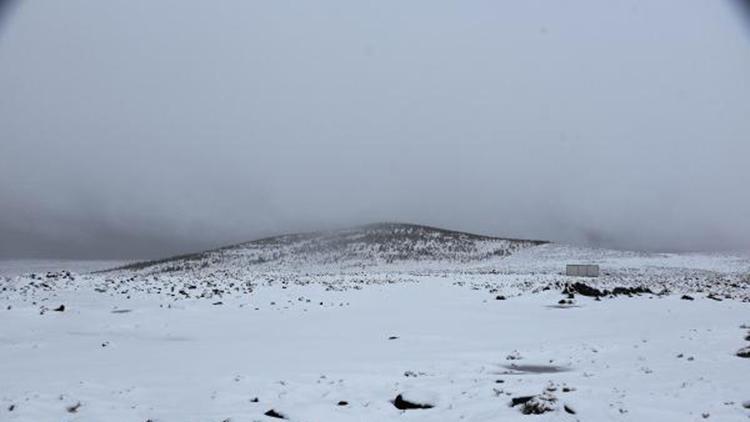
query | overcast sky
(148,128)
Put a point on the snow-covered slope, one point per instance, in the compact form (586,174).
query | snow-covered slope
(354,324)
(377,246)
(393,253)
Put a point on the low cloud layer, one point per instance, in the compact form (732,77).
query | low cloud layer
(142,129)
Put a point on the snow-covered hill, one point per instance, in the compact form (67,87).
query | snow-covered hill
(376,246)
(394,253)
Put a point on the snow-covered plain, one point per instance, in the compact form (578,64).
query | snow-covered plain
(317,342)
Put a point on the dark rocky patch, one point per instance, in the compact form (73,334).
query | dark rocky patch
(535,405)
(274,414)
(122,311)
(515,401)
(686,297)
(583,290)
(586,290)
(342,403)
(393,338)
(60,308)
(74,408)
(744,352)
(569,409)
(499,297)
(402,404)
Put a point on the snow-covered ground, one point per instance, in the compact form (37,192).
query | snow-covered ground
(15,267)
(316,343)
(629,359)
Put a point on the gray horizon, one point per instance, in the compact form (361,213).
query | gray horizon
(145,129)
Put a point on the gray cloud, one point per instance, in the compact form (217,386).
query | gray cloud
(138,128)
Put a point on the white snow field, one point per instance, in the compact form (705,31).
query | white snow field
(458,331)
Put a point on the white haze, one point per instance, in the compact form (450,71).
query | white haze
(140,128)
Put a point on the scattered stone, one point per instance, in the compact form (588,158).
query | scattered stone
(569,409)
(514,356)
(60,308)
(746,404)
(535,405)
(393,338)
(343,403)
(686,297)
(11,408)
(274,414)
(744,352)
(218,303)
(499,297)
(254,400)
(74,408)
(402,404)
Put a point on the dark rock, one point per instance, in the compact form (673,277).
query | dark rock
(11,408)
(217,303)
(60,308)
(629,291)
(499,297)
(744,352)
(74,408)
(343,403)
(402,404)
(393,338)
(686,297)
(254,400)
(274,414)
(515,401)
(569,409)
(582,289)
(538,405)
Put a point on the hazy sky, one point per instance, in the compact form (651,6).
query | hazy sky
(145,128)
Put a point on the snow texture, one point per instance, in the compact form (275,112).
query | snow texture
(337,326)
